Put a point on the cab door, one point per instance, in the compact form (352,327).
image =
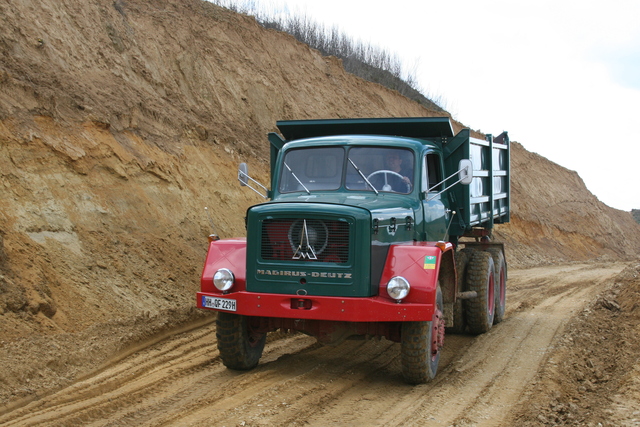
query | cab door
(434,204)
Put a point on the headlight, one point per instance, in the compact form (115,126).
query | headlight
(223,279)
(398,287)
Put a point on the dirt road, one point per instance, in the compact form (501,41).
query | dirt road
(481,381)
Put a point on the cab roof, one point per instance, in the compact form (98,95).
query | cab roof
(413,127)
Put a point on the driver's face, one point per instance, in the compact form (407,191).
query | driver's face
(393,160)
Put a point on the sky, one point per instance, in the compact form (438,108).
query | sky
(562,77)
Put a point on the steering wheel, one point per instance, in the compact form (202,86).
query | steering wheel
(387,186)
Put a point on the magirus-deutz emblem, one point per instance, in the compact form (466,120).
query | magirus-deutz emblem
(305,250)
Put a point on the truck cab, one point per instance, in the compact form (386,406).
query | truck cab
(361,237)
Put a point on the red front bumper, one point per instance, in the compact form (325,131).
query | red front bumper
(372,309)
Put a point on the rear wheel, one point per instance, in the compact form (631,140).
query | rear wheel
(239,344)
(421,345)
(501,284)
(481,279)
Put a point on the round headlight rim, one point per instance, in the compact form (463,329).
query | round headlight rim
(229,279)
(405,288)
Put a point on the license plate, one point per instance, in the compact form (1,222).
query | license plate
(219,303)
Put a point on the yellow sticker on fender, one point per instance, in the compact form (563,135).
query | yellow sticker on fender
(430,262)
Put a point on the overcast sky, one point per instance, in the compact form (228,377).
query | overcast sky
(563,77)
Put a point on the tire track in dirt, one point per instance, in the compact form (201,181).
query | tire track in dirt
(512,353)
(499,367)
(161,379)
(181,381)
(300,387)
(136,374)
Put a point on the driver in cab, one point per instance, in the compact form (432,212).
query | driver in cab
(395,177)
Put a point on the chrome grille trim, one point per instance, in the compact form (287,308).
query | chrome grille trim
(304,239)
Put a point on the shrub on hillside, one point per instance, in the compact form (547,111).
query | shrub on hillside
(363,60)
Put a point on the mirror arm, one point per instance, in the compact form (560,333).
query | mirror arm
(464,167)
(433,196)
(443,181)
(243,177)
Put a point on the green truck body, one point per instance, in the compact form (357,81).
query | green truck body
(375,227)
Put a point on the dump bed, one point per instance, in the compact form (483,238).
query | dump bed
(486,200)
(481,204)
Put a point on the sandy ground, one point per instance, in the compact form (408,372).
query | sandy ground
(523,372)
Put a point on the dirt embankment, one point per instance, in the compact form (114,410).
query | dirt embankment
(121,120)
(555,218)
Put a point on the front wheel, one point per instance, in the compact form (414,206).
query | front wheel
(420,346)
(239,344)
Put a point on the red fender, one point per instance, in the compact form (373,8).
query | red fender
(226,253)
(419,263)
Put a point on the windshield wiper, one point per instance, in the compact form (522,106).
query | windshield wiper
(363,177)
(297,179)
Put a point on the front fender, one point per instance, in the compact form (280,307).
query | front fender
(419,263)
(226,253)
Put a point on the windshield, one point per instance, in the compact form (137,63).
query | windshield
(385,169)
(365,169)
(309,169)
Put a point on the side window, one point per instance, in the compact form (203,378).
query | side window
(432,174)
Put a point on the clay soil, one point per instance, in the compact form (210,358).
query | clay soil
(121,120)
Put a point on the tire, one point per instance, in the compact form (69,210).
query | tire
(481,279)
(501,284)
(240,347)
(459,321)
(421,344)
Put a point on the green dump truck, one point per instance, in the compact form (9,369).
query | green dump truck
(373,228)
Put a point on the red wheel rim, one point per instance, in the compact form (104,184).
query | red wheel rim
(437,333)
(492,294)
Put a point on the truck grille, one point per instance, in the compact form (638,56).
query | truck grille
(305,240)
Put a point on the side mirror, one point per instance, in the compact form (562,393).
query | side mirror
(244,178)
(243,174)
(465,171)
